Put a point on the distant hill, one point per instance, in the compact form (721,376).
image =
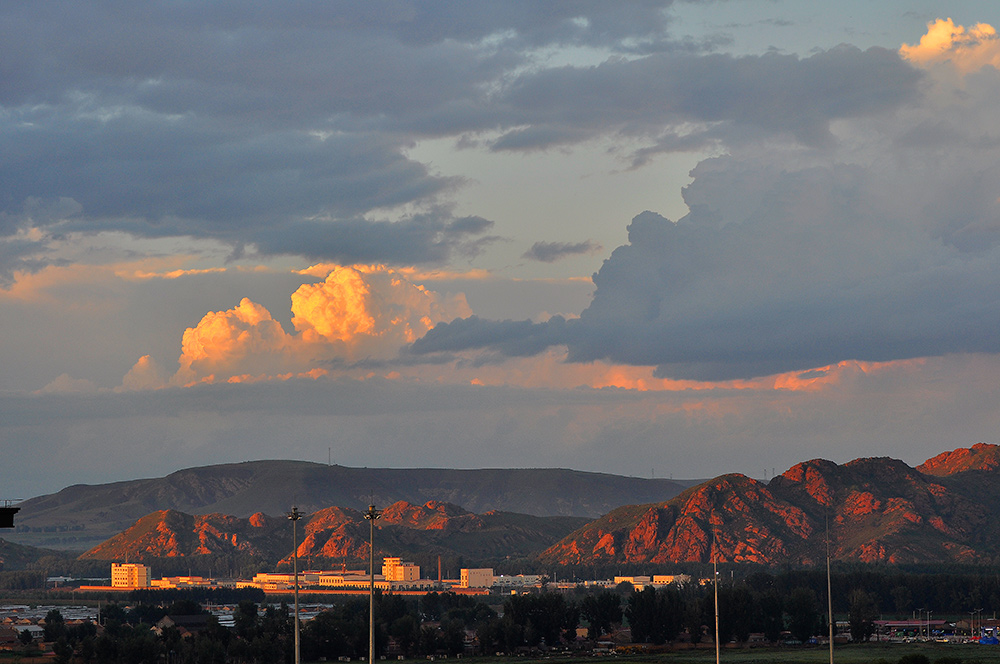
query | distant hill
(82,516)
(405,529)
(878,510)
(14,557)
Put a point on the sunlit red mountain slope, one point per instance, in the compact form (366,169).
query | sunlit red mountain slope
(340,533)
(877,510)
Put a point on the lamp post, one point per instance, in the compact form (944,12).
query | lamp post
(371,515)
(829,591)
(294,517)
(715,589)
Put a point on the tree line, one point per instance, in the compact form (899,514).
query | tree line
(434,624)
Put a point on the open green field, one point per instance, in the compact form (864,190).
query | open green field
(849,654)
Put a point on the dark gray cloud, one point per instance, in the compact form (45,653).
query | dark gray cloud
(550,252)
(650,96)
(511,338)
(785,263)
(423,238)
(286,126)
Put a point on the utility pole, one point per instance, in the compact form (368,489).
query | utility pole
(829,593)
(715,584)
(294,517)
(371,515)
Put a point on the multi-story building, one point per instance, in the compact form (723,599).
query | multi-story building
(477,578)
(394,569)
(666,579)
(519,581)
(130,575)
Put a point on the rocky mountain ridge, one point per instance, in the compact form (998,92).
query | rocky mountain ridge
(876,510)
(338,533)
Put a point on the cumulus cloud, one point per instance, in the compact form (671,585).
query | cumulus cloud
(966,49)
(66,384)
(145,374)
(369,311)
(357,313)
(877,246)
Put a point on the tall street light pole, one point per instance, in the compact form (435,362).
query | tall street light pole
(371,515)
(294,517)
(715,588)
(829,592)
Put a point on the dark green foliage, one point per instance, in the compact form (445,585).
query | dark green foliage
(23,580)
(862,616)
(55,626)
(767,614)
(601,611)
(655,615)
(543,616)
(948,659)
(914,658)
(802,611)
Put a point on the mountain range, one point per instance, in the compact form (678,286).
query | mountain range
(82,516)
(872,510)
(340,534)
(867,510)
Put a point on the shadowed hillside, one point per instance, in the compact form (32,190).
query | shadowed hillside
(82,516)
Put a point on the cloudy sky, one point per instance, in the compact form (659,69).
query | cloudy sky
(653,238)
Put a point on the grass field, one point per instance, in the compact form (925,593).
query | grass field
(849,654)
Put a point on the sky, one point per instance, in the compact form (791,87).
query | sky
(658,238)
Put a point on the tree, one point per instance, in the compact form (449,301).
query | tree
(406,631)
(735,613)
(642,615)
(767,614)
(602,611)
(903,599)
(55,626)
(863,612)
(803,613)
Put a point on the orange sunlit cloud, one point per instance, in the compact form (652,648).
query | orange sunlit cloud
(224,340)
(551,371)
(968,49)
(369,311)
(171,274)
(359,312)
